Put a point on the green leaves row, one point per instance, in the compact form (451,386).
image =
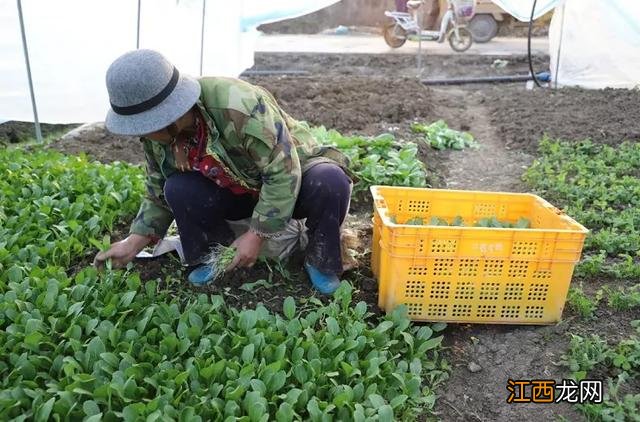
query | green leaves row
(107,346)
(76,344)
(377,160)
(588,356)
(439,136)
(52,205)
(598,185)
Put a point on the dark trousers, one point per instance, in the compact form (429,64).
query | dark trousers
(200,209)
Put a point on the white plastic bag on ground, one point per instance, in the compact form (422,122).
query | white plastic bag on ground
(293,237)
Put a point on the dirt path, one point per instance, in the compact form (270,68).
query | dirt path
(493,166)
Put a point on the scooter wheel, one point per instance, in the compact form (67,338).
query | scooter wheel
(394,35)
(461,42)
(484,27)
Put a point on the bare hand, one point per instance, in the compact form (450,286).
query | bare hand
(122,252)
(247,250)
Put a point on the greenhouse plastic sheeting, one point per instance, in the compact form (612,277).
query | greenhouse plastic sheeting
(596,44)
(258,12)
(72,42)
(521,9)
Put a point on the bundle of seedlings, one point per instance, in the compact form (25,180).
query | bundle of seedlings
(219,259)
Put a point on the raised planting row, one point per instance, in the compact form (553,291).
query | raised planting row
(598,185)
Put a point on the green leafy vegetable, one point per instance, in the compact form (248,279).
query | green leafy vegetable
(598,185)
(253,286)
(439,136)
(493,222)
(458,221)
(437,221)
(377,160)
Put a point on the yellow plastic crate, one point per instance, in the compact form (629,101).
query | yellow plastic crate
(473,274)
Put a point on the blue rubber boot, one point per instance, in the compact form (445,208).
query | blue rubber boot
(201,276)
(324,283)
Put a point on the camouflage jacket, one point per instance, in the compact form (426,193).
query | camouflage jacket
(262,147)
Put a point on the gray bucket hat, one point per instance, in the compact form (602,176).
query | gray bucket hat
(147,93)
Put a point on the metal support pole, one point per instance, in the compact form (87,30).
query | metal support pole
(555,77)
(204,8)
(26,59)
(419,22)
(138,27)
(533,74)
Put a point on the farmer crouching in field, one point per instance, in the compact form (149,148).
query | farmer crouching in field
(222,149)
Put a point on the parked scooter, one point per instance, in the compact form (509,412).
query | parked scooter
(452,28)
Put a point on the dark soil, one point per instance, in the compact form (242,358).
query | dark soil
(366,94)
(350,103)
(394,66)
(609,116)
(102,146)
(13,132)
(276,282)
